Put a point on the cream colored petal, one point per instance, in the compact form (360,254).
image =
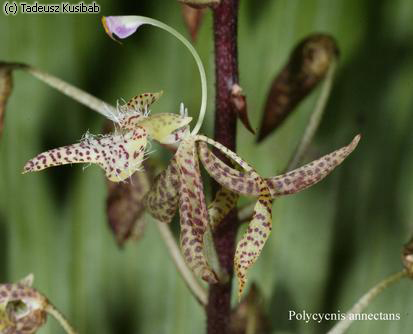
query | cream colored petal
(193,211)
(161,126)
(120,155)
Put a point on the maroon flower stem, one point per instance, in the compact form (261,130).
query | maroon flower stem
(226,71)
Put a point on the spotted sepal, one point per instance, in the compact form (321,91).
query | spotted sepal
(285,184)
(311,173)
(239,182)
(193,211)
(230,154)
(254,238)
(120,155)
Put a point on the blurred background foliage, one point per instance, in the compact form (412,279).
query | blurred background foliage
(329,244)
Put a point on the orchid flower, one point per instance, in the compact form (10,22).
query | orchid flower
(23,309)
(180,185)
(121,153)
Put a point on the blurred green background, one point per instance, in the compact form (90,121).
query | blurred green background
(329,244)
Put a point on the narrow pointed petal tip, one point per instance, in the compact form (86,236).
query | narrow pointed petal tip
(356,140)
(351,147)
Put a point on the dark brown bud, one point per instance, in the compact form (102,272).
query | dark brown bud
(239,103)
(307,66)
(125,208)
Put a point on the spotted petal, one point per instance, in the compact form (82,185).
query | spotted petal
(224,201)
(193,211)
(143,101)
(136,109)
(162,199)
(120,155)
(253,240)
